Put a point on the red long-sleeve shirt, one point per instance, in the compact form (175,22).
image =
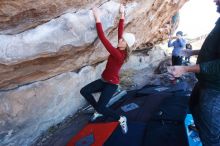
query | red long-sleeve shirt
(116,57)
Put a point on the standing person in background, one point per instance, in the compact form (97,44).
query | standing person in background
(205,97)
(177,45)
(189,47)
(109,81)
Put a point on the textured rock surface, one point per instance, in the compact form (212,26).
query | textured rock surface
(20,15)
(44,46)
(27,111)
(69,42)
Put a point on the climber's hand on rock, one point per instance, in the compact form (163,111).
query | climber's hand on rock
(176,71)
(96,13)
(122,9)
(123,2)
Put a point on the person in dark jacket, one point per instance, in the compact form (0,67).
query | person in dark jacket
(189,47)
(205,97)
(109,81)
(177,45)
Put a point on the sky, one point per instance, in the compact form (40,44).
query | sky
(198,17)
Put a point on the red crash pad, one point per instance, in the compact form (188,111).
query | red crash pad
(94,134)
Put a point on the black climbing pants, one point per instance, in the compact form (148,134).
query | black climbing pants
(107,90)
(177,60)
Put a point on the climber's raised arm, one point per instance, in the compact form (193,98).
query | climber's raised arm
(114,52)
(121,21)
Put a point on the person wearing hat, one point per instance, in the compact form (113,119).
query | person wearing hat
(109,81)
(178,45)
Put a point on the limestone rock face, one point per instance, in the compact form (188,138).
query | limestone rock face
(27,111)
(31,109)
(49,50)
(20,15)
(68,41)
